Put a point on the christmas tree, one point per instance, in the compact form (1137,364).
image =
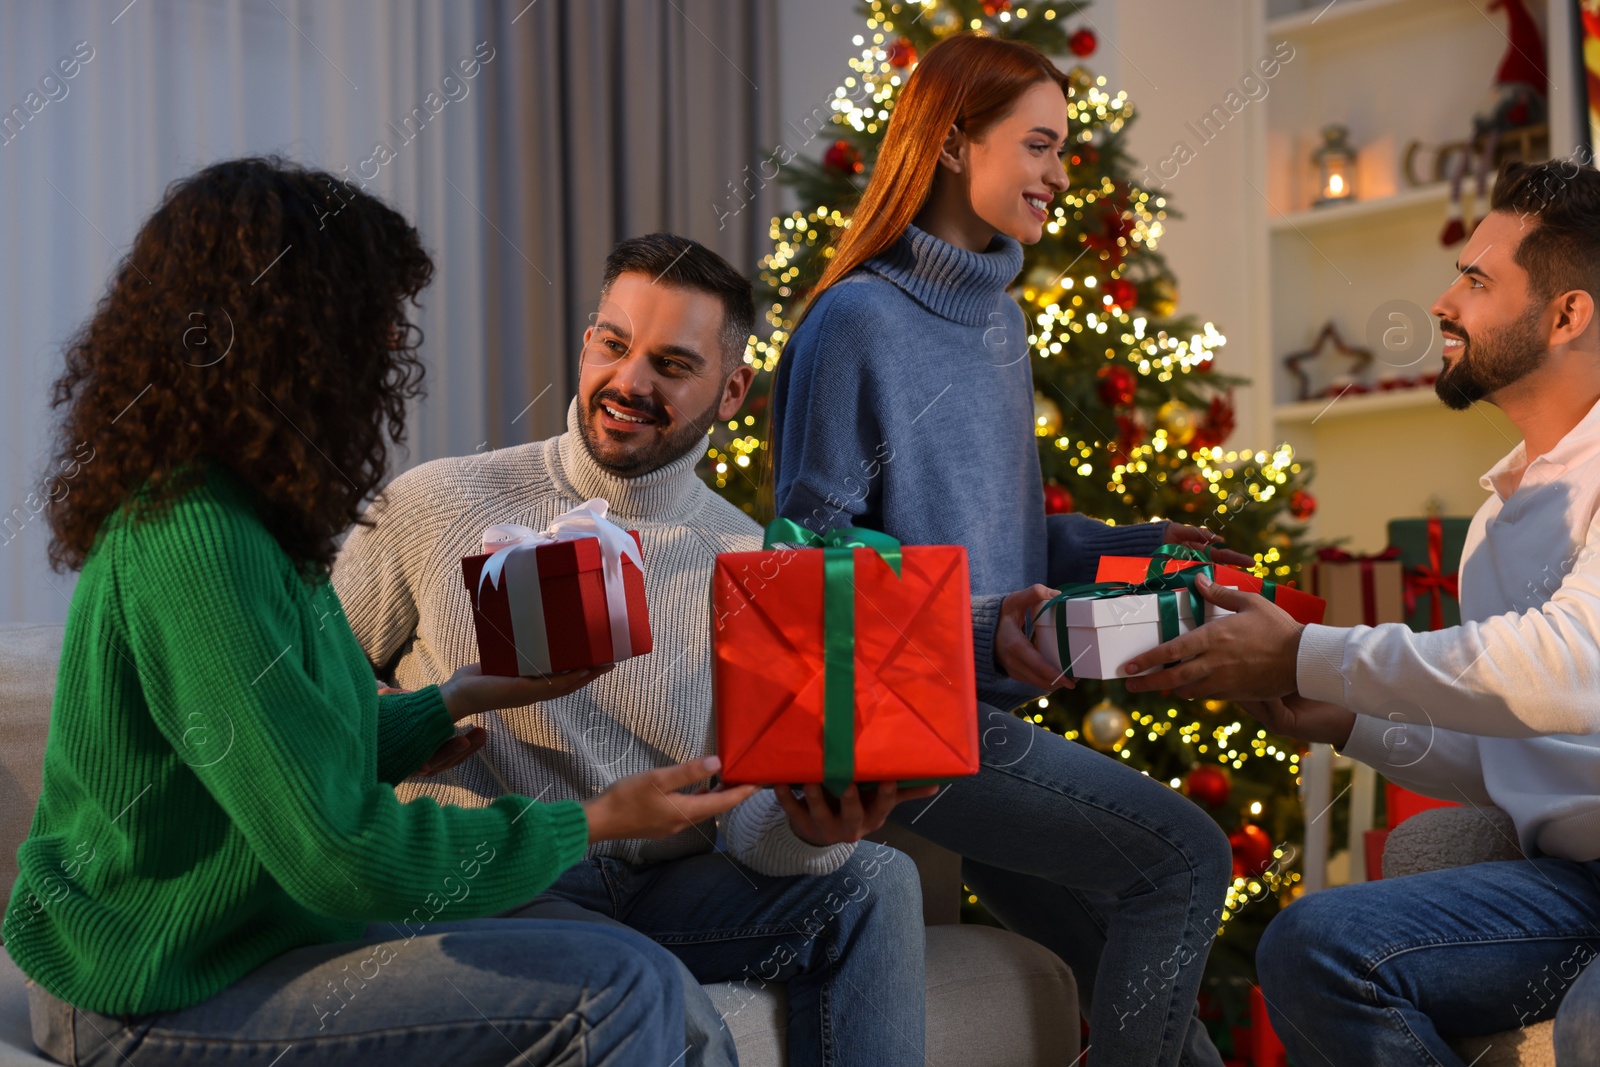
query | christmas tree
(1131,418)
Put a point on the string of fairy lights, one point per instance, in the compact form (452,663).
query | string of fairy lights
(1066,311)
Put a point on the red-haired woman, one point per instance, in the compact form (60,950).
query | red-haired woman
(218,869)
(905,403)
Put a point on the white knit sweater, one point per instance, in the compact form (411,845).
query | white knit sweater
(401,587)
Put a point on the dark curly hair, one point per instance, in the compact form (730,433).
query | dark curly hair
(260,323)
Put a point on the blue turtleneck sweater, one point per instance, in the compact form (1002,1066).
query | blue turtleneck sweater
(904,403)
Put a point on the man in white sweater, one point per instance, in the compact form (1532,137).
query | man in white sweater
(1503,710)
(792,899)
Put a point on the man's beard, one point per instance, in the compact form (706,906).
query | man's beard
(684,436)
(1495,360)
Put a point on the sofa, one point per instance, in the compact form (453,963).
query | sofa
(994,998)
(1454,837)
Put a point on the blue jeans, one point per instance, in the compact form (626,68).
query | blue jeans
(477,992)
(1390,971)
(848,945)
(1112,871)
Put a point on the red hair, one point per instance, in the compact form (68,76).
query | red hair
(969,81)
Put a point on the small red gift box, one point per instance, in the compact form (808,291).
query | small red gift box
(1301,606)
(894,699)
(548,604)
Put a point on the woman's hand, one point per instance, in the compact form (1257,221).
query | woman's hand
(1195,537)
(470,692)
(1012,649)
(452,752)
(816,821)
(649,805)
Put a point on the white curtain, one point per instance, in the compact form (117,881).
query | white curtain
(582,123)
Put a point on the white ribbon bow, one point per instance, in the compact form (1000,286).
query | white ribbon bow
(515,559)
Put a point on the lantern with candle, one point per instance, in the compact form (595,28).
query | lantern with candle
(1335,161)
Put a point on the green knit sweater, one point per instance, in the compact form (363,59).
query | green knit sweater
(218,779)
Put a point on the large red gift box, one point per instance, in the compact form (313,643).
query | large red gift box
(1301,606)
(562,621)
(914,712)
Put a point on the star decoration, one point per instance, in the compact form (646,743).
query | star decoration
(1362,357)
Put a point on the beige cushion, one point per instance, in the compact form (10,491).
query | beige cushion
(994,998)
(28,656)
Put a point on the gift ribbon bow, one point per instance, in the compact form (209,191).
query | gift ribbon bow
(518,557)
(1157,581)
(1369,581)
(1430,580)
(838,634)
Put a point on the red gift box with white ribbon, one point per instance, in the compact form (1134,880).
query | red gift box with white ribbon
(561,599)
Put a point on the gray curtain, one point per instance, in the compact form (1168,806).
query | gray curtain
(615,118)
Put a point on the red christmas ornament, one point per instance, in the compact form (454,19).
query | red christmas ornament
(1117,385)
(1207,365)
(1217,423)
(1252,851)
(1211,786)
(1057,501)
(994,7)
(1130,434)
(1114,226)
(1083,43)
(1191,483)
(1085,155)
(1123,293)
(901,53)
(1302,505)
(843,157)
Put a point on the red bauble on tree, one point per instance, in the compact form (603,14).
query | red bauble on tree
(1217,423)
(1130,434)
(994,7)
(1123,293)
(1117,386)
(1252,851)
(842,157)
(1057,501)
(901,54)
(1211,786)
(1083,43)
(1192,483)
(1302,505)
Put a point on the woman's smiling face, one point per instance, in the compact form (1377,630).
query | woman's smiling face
(1015,169)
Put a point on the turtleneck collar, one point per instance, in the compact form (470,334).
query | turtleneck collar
(951,282)
(661,494)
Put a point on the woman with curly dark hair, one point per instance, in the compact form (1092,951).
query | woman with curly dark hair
(218,824)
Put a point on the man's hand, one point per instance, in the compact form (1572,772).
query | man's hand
(470,692)
(1012,649)
(1308,720)
(648,804)
(1195,537)
(452,752)
(1247,656)
(817,822)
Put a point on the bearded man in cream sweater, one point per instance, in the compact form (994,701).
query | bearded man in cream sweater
(1502,710)
(792,899)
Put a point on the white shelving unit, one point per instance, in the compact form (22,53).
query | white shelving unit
(1392,71)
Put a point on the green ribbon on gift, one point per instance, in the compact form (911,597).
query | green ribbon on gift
(1157,581)
(838,634)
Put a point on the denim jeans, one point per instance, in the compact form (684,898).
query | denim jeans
(847,945)
(1390,971)
(1117,874)
(477,992)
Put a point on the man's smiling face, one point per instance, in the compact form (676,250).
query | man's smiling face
(1493,324)
(651,381)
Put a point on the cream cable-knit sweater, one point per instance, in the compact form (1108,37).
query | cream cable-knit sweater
(400,585)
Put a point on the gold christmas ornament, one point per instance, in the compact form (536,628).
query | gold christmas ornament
(1161,298)
(1179,420)
(1105,725)
(1046,416)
